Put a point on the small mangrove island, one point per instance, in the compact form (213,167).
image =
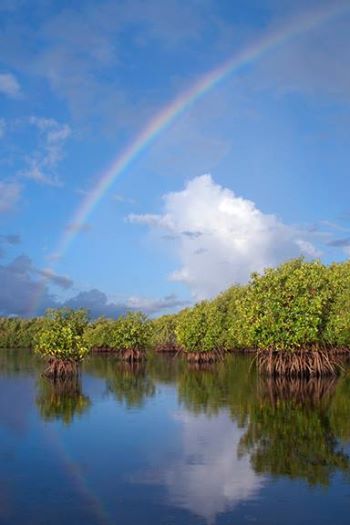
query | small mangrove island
(295,319)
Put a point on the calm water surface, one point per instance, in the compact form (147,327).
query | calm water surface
(164,443)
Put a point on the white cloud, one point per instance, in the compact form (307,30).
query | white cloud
(9,85)
(221,238)
(99,304)
(59,280)
(26,290)
(20,289)
(153,306)
(9,195)
(42,163)
(308,249)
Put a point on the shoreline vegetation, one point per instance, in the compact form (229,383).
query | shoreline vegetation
(295,318)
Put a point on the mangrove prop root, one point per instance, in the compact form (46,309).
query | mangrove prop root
(132,355)
(204,357)
(62,368)
(103,349)
(170,348)
(300,363)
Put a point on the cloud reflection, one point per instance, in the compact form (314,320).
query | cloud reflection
(208,477)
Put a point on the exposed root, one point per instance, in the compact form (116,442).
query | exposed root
(103,350)
(204,357)
(132,355)
(170,348)
(300,363)
(62,368)
(241,350)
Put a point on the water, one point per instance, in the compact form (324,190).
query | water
(169,444)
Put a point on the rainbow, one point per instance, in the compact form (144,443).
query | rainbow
(76,477)
(164,118)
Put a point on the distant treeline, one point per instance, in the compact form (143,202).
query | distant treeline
(298,306)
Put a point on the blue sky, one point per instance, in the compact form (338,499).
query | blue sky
(254,172)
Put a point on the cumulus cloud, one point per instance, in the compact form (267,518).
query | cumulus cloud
(153,306)
(207,477)
(97,303)
(221,238)
(19,289)
(9,195)
(25,288)
(59,280)
(9,85)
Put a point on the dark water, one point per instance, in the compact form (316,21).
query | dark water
(169,444)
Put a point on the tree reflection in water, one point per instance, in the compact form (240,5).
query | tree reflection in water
(230,384)
(291,431)
(130,384)
(61,399)
(293,428)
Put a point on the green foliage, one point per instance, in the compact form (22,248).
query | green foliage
(286,308)
(76,319)
(61,335)
(131,331)
(337,326)
(199,329)
(18,333)
(99,334)
(163,332)
(297,305)
(227,304)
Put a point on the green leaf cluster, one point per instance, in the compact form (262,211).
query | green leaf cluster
(99,334)
(61,335)
(18,333)
(163,332)
(199,329)
(130,331)
(286,308)
(337,327)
